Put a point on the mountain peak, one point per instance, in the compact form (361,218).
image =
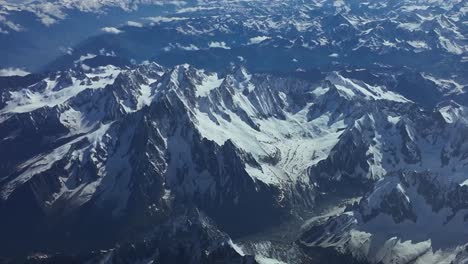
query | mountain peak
(452,112)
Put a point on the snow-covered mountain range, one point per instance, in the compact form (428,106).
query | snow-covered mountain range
(418,34)
(234,131)
(127,144)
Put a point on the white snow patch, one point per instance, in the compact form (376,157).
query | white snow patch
(134,24)
(418,44)
(265,260)
(210,82)
(111,30)
(258,40)
(220,45)
(450,46)
(447,86)
(13,72)
(85,57)
(162,19)
(352,88)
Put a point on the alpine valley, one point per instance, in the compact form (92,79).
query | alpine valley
(254,131)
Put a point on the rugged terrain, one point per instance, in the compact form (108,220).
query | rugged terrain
(240,132)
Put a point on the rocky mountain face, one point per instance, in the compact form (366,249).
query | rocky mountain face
(189,237)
